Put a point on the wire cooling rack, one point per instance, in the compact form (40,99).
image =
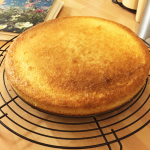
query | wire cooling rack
(86,132)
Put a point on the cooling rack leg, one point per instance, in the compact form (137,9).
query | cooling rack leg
(102,133)
(117,138)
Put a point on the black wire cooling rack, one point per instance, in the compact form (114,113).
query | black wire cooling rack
(84,132)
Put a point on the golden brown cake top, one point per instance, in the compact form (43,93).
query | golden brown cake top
(77,62)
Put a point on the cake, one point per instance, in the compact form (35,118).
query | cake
(77,65)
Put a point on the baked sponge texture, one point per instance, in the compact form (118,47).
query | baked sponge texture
(77,65)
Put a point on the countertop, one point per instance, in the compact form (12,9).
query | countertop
(138,141)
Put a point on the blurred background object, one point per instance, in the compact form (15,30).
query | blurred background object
(144,29)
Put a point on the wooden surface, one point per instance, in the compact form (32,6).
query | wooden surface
(139,141)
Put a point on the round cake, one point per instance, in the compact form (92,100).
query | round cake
(77,65)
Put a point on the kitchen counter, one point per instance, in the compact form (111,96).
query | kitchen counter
(138,141)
